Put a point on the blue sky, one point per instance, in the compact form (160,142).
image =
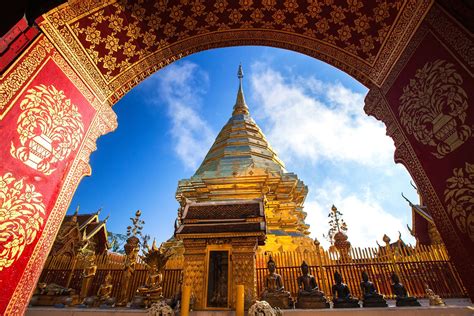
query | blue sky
(311,113)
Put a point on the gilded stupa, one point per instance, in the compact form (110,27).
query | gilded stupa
(241,165)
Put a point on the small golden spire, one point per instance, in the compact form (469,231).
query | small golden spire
(240,106)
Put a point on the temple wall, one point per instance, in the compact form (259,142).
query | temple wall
(430,117)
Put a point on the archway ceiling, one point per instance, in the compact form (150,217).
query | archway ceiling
(114,46)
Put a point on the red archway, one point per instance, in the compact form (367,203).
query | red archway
(56,97)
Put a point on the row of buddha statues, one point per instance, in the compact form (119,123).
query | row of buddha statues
(145,295)
(311,297)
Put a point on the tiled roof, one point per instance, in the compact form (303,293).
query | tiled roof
(226,228)
(223,211)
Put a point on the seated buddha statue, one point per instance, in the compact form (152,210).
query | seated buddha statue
(401,294)
(152,291)
(371,297)
(105,291)
(274,292)
(341,294)
(153,282)
(309,295)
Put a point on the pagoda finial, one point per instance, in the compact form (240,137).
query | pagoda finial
(240,72)
(240,106)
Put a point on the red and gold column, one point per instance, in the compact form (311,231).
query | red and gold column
(49,122)
(426,101)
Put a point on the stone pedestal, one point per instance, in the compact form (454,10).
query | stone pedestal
(410,301)
(52,300)
(282,302)
(374,302)
(311,302)
(346,304)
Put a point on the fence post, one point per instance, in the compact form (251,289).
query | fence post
(239,305)
(186,297)
(320,265)
(69,279)
(391,255)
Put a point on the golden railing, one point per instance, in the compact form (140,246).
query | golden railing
(58,270)
(416,267)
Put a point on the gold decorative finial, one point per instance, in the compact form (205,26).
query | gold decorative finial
(240,106)
(316,242)
(240,72)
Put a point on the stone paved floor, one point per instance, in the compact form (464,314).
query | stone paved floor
(455,307)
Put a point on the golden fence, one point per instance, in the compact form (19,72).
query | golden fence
(59,269)
(416,267)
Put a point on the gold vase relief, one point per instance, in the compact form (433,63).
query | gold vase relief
(21,216)
(433,108)
(459,198)
(49,127)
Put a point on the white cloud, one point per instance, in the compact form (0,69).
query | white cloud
(311,120)
(306,119)
(366,219)
(181,86)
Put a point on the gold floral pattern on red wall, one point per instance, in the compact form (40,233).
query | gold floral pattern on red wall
(21,216)
(459,197)
(434,108)
(122,33)
(49,128)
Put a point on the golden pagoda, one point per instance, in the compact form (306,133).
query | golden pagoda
(241,165)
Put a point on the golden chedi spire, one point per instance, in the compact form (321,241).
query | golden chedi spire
(240,106)
(240,144)
(241,165)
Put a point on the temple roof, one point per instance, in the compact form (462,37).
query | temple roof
(224,218)
(240,145)
(223,211)
(91,225)
(422,210)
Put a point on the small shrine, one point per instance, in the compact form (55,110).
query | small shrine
(220,241)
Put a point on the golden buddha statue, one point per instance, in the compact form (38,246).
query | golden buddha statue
(153,282)
(435,300)
(128,271)
(152,291)
(88,275)
(105,291)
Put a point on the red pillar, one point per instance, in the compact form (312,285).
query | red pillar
(49,122)
(426,103)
